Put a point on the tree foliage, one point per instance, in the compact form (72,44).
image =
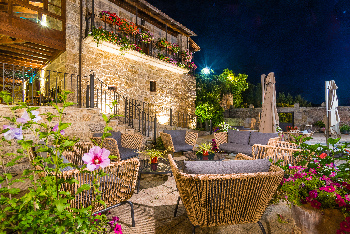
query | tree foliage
(210,90)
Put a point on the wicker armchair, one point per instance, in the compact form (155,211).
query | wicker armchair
(275,153)
(179,140)
(128,147)
(116,187)
(226,199)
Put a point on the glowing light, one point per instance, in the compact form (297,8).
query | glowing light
(206,71)
(43,21)
(163,119)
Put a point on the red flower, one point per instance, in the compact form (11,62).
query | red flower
(316,204)
(345,226)
(323,155)
(340,200)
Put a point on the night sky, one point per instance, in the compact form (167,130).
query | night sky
(305,42)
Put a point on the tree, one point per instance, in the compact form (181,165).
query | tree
(252,95)
(210,90)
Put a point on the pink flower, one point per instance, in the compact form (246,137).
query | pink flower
(13,133)
(309,178)
(118,229)
(347,197)
(316,204)
(96,158)
(332,174)
(55,128)
(312,171)
(313,194)
(340,200)
(25,117)
(328,189)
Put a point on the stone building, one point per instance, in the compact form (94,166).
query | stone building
(74,38)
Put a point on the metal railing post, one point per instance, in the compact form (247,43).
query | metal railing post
(92,14)
(155,129)
(92,85)
(171,117)
(87,96)
(126,109)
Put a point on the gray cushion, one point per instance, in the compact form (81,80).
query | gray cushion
(238,137)
(261,138)
(227,167)
(178,136)
(183,148)
(126,153)
(115,135)
(236,148)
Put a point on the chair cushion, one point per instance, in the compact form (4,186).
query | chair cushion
(261,138)
(178,136)
(227,167)
(126,153)
(115,135)
(236,148)
(238,137)
(183,148)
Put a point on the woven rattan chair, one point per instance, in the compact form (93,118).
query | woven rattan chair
(226,199)
(179,140)
(117,186)
(128,147)
(275,153)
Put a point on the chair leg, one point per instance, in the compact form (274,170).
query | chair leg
(132,213)
(177,206)
(138,182)
(194,229)
(262,227)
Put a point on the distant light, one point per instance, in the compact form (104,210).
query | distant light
(206,71)
(344,12)
(43,21)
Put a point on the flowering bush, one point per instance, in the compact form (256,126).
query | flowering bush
(174,48)
(163,43)
(191,65)
(44,207)
(223,127)
(214,146)
(187,56)
(317,180)
(146,37)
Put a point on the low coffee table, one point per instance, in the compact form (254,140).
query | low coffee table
(163,167)
(191,155)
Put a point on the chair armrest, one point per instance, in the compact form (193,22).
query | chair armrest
(108,143)
(284,144)
(272,141)
(220,138)
(191,138)
(275,153)
(241,156)
(132,141)
(167,141)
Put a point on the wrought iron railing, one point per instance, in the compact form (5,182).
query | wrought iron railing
(38,87)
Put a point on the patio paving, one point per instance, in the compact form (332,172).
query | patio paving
(155,203)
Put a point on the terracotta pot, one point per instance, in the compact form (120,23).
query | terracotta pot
(107,20)
(204,157)
(154,160)
(154,166)
(315,221)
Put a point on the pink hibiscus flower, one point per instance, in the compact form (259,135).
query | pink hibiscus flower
(96,158)
(316,204)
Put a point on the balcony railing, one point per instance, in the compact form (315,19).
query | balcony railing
(128,35)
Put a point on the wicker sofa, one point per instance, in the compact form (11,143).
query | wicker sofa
(124,146)
(226,199)
(242,141)
(179,140)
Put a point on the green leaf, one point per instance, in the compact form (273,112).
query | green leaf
(105,118)
(83,187)
(68,143)
(63,126)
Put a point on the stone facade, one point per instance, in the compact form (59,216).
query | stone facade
(302,115)
(130,77)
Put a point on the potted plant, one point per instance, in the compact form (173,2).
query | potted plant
(153,155)
(345,129)
(205,152)
(320,124)
(163,43)
(318,190)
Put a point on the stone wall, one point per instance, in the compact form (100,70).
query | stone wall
(131,78)
(302,115)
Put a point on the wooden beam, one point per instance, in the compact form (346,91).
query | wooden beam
(27,49)
(23,56)
(40,47)
(18,51)
(9,60)
(31,32)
